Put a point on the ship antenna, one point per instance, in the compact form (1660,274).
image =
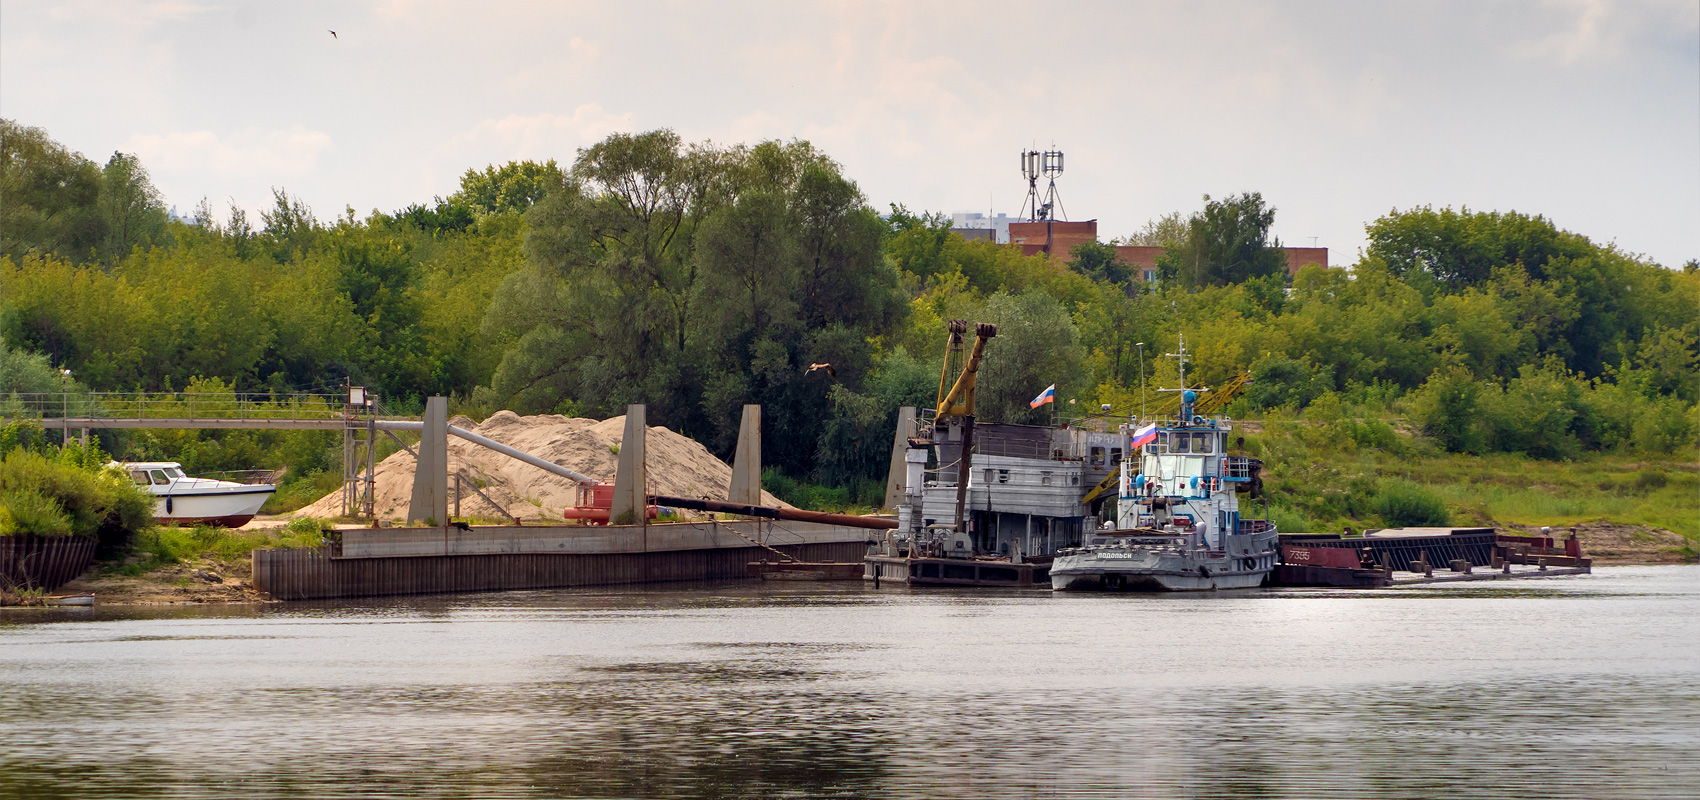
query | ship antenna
(1180,358)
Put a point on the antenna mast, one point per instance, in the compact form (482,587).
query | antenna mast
(1049,165)
(1180,360)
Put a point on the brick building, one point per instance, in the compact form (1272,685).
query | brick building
(1058,238)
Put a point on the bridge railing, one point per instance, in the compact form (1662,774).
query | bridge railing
(177,405)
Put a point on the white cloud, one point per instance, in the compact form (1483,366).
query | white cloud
(250,152)
(1336,110)
(137,15)
(537,136)
(1604,30)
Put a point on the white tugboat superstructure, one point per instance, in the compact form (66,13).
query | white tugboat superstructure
(1178,523)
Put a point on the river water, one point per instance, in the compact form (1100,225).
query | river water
(1585,687)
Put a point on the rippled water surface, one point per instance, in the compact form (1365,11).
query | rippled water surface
(1585,687)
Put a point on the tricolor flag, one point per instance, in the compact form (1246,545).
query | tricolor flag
(1047,396)
(1145,435)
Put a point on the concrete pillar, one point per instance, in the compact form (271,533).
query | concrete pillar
(631,483)
(746,462)
(895,478)
(430,503)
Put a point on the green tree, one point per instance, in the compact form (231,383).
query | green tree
(23,371)
(290,228)
(1226,243)
(1037,345)
(1169,230)
(514,186)
(50,196)
(1462,248)
(1100,263)
(695,279)
(1448,408)
(856,442)
(130,206)
(917,242)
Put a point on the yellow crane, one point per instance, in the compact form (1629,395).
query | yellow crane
(958,402)
(1213,402)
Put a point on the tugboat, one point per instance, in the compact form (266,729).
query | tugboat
(1178,524)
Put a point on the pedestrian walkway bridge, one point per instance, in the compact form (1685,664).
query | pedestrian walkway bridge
(265,411)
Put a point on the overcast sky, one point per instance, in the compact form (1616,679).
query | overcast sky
(1586,112)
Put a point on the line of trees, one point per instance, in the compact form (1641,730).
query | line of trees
(697,277)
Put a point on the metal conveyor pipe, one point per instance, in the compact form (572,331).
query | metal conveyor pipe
(484,441)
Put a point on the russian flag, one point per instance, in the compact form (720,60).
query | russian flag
(1145,435)
(1047,396)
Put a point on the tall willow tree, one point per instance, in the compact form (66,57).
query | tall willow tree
(695,278)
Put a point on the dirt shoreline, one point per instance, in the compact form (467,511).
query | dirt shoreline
(190,582)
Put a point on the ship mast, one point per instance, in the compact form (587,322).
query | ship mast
(1180,360)
(1188,395)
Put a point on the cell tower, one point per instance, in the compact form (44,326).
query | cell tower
(1049,165)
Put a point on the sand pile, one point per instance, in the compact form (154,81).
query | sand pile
(678,465)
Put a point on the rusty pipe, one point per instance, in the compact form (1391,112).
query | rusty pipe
(792,514)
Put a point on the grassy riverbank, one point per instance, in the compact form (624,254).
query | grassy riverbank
(169,564)
(1327,474)
(1321,477)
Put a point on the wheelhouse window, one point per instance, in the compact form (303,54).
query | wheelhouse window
(1201,442)
(159,478)
(140,477)
(1178,444)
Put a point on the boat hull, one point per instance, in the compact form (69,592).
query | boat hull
(1152,581)
(1166,567)
(230,508)
(923,571)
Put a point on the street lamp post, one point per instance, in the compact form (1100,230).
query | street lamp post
(1141,346)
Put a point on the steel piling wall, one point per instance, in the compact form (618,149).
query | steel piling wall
(313,573)
(43,562)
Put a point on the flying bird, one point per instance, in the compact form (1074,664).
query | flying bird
(830,372)
(333,33)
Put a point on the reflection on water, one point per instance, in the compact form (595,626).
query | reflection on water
(1570,687)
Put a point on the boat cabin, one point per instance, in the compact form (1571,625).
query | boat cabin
(1024,486)
(154,473)
(1185,480)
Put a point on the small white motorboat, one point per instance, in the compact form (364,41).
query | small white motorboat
(183,500)
(70,600)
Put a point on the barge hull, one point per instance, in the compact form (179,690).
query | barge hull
(1153,581)
(956,572)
